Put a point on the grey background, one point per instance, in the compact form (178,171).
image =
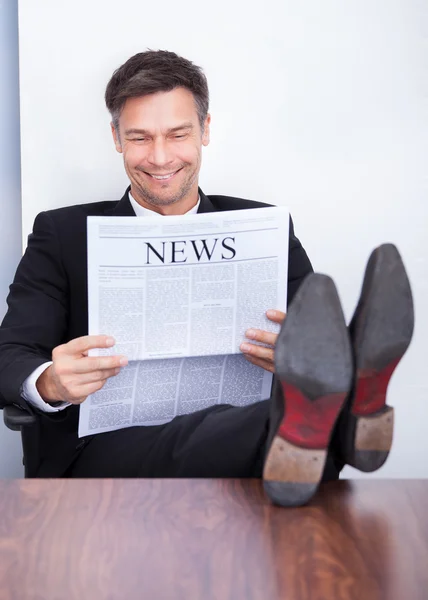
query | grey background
(10,194)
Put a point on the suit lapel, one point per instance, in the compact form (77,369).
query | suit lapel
(123,208)
(205,206)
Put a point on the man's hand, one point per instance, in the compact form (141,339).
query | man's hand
(260,355)
(73,375)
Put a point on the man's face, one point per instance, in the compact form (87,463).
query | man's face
(161,141)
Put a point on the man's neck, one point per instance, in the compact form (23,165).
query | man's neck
(142,211)
(177,208)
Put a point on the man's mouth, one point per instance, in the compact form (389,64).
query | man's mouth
(163,177)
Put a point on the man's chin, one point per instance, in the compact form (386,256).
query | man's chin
(159,199)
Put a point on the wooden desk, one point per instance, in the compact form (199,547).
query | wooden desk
(211,539)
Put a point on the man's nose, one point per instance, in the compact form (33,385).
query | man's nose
(159,154)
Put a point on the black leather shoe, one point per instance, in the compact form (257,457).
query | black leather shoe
(314,372)
(380,330)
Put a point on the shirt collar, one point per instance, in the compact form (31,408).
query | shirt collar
(141,211)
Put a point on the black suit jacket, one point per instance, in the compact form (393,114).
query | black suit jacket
(48,306)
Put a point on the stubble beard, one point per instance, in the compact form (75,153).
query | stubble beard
(147,195)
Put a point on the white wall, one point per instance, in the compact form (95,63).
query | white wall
(316,105)
(10,198)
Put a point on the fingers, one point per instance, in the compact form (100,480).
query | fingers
(277,316)
(256,354)
(264,364)
(90,364)
(95,376)
(80,345)
(266,337)
(259,352)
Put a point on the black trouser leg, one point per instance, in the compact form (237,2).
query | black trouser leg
(220,441)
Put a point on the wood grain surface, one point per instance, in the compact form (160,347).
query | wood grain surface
(211,539)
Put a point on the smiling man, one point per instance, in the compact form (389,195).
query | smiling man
(158,103)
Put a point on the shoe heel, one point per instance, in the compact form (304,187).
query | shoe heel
(291,474)
(373,440)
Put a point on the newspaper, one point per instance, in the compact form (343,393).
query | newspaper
(178,293)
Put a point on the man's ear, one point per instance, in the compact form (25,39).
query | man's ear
(116,138)
(206,132)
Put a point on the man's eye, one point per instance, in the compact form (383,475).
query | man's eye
(178,137)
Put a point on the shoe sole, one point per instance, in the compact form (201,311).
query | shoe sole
(313,366)
(383,328)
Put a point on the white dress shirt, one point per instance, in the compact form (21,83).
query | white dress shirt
(28,389)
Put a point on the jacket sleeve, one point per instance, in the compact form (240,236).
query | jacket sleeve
(37,316)
(299,265)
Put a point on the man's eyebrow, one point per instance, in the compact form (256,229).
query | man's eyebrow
(135,131)
(181,127)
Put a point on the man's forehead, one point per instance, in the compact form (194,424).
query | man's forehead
(164,110)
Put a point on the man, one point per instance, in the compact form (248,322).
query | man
(158,103)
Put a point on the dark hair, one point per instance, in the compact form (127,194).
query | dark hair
(156,71)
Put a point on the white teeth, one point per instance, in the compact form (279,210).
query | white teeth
(163,176)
